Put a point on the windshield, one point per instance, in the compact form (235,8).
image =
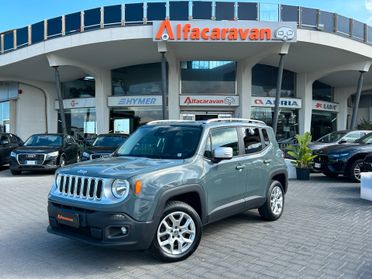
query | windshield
(367,139)
(332,137)
(163,142)
(44,140)
(109,141)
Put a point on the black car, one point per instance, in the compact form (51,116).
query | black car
(346,159)
(44,152)
(367,164)
(8,142)
(104,146)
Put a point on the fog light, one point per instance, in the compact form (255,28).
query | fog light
(124,230)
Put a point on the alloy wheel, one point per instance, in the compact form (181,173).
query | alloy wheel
(276,200)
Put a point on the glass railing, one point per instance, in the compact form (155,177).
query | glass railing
(146,13)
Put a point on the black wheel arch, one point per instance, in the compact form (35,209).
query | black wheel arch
(282,177)
(350,162)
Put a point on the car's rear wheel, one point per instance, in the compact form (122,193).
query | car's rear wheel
(15,172)
(356,170)
(178,233)
(274,205)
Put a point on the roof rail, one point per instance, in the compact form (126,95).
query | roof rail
(167,121)
(235,120)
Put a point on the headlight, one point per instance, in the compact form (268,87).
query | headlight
(339,155)
(13,154)
(85,154)
(53,154)
(120,188)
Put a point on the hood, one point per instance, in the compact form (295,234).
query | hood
(119,167)
(342,148)
(101,149)
(314,146)
(36,149)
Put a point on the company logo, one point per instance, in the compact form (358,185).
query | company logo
(137,101)
(82,171)
(74,103)
(220,101)
(284,33)
(325,106)
(31,155)
(271,102)
(229,101)
(187,32)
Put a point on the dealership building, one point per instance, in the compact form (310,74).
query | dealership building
(121,66)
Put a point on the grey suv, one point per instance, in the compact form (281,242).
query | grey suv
(168,180)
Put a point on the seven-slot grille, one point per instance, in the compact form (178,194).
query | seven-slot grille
(80,186)
(38,158)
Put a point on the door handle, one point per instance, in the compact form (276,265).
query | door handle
(266,162)
(240,167)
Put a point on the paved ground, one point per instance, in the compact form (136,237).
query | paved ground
(326,231)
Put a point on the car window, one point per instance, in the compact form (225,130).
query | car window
(13,139)
(3,137)
(265,137)
(353,136)
(225,137)
(44,140)
(252,140)
(109,141)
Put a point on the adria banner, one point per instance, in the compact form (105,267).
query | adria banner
(209,100)
(224,31)
(270,102)
(325,106)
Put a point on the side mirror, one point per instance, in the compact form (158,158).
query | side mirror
(4,142)
(342,141)
(222,153)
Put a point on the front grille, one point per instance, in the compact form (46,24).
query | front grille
(80,187)
(37,158)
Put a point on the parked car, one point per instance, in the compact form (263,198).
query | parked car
(346,159)
(168,180)
(8,142)
(367,163)
(44,152)
(103,146)
(338,137)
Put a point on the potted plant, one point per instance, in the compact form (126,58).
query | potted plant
(302,155)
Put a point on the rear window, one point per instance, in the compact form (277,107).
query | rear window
(252,140)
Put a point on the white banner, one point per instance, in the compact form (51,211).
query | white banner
(77,103)
(135,101)
(197,100)
(325,106)
(270,102)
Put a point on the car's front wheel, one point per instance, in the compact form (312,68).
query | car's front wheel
(356,170)
(274,205)
(178,233)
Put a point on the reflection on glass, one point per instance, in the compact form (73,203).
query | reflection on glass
(44,140)
(201,10)
(80,122)
(156,11)
(322,91)
(137,80)
(208,77)
(8,41)
(4,117)
(358,30)
(225,10)
(269,12)
(81,88)
(248,11)
(309,17)
(72,22)
(22,36)
(322,123)
(55,27)
(225,137)
(326,20)
(37,32)
(343,25)
(289,13)
(179,10)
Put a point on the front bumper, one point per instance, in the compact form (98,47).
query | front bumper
(101,228)
(49,164)
(323,163)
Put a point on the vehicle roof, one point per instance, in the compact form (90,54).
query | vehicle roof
(46,134)
(113,135)
(215,122)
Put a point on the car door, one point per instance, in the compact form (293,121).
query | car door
(224,181)
(5,149)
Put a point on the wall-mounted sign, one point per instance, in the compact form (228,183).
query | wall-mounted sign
(325,106)
(135,101)
(224,31)
(77,103)
(197,100)
(270,102)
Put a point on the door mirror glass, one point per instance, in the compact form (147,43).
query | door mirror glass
(223,153)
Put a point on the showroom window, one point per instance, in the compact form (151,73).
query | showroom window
(80,122)
(208,77)
(80,88)
(264,79)
(322,92)
(4,117)
(137,80)
(322,123)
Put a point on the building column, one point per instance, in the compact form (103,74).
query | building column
(103,90)
(341,96)
(244,89)
(304,89)
(13,116)
(174,77)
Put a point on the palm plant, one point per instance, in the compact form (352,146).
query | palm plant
(301,152)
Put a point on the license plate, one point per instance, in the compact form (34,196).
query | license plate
(68,218)
(30,163)
(317,165)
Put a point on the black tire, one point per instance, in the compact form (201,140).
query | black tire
(15,172)
(331,174)
(266,211)
(353,170)
(177,232)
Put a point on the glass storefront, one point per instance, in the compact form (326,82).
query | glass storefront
(208,77)
(4,117)
(137,80)
(287,121)
(81,122)
(322,92)
(264,79)
(127,120)
(322,123)
(80,88)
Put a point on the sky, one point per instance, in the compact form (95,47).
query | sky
(19,13)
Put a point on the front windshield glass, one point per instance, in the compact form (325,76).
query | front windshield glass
(367,139)
(163,142)
(109,141)
(331,137)
(44,140)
